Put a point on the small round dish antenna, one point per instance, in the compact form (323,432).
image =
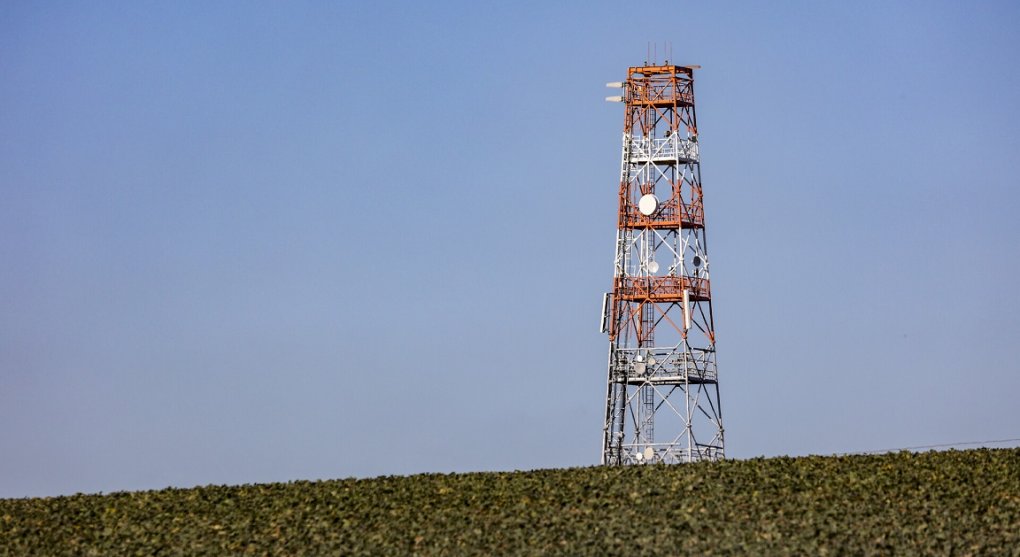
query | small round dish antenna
(696,261)
(653,267)
(649,453)
(648,204)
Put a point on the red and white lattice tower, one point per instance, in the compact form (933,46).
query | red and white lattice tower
(662,397)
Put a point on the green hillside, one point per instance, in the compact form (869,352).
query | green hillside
(944,503)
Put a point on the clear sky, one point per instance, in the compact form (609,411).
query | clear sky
(250,242)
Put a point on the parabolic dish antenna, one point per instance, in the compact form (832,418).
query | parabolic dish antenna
(696,261)
(653,267)
(648,204)
(649,453)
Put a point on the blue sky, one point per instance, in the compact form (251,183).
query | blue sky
(252,242)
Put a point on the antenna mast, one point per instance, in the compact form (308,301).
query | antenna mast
(662,398)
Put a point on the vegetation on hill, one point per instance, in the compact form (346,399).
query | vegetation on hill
(943,503)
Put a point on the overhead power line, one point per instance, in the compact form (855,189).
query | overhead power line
(939,446)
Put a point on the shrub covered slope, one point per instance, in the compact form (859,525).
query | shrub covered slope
(957,502)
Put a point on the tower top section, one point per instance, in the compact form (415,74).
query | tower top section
(657,86)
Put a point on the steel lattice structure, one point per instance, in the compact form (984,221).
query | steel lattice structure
(662,396)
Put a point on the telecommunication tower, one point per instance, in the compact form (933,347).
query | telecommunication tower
(662,396)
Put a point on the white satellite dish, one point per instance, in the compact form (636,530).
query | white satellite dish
(649,453)
(648,204)
(651,361)
(653,267)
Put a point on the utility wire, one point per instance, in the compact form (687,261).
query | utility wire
(939,446)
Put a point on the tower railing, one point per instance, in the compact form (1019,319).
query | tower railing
(667,288)
(660,93)
(670,214)
(659,149)
(668,453)
(665,365)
